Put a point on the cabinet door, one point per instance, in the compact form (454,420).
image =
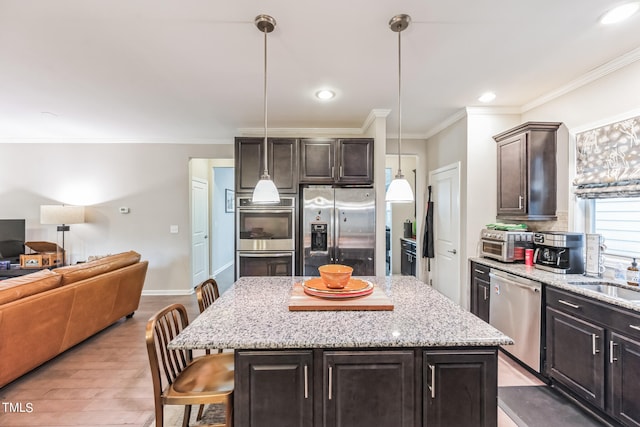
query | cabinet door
(480,291)
(273,389)
(368,388)
(576,355)
(355,161)
(460,388)
(283,164)
(512,175)
(317,159)
(248,163)
(624,365)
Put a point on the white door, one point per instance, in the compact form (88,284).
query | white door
(445,183)
(199,231)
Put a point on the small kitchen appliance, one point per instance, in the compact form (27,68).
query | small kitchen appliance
(504,245)
(559,252)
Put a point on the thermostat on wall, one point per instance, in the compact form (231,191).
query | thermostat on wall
(124,210)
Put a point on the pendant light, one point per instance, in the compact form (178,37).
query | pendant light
(265,191)
(399,190)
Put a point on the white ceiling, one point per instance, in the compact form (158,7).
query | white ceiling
(192,70)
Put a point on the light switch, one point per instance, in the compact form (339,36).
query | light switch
(173,229)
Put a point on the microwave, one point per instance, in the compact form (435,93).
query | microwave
(503,245)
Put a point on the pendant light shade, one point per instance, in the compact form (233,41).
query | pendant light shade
(399,190)
(265,191)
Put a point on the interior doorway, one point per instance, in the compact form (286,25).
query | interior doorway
(397,214)
(445,183)
(219,211)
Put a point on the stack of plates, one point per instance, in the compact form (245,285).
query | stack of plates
(355,288)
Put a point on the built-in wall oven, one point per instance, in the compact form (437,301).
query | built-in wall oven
(265,237)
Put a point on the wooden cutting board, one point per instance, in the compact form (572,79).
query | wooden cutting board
(377,300)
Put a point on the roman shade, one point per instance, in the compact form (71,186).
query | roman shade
(608,161)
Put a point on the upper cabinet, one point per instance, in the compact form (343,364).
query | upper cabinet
(341,161)
(282,154)
(527,171)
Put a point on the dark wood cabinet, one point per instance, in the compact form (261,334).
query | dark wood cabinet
(343,161)
(575,355)
(402,387)
(408,257)
(593,349)
(282,155)
(480,291)
(459,388)
(274,389)
(526,175)
(624,362)
(369,388)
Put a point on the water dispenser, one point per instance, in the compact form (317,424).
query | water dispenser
(319,237)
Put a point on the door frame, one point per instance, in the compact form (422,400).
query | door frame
(455,166)
(207,244)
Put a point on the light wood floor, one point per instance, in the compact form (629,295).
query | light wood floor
(105,380)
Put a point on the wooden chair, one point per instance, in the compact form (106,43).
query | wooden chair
(207,293)
(203,380)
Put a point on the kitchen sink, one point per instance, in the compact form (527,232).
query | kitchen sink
(610,289)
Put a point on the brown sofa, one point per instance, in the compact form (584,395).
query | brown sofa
(45,313)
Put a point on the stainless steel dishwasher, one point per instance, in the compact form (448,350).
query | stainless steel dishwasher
(515,309)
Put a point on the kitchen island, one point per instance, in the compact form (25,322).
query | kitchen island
(426,362)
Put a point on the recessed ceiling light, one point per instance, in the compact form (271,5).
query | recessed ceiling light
(620,13)
(325,94)
(487,97)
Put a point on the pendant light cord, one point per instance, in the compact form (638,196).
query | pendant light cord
(265,174)
(399,174)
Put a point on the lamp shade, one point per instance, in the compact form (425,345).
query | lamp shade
(399,191)
(61,214)
(265,192)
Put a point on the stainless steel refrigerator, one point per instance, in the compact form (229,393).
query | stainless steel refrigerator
(338,227)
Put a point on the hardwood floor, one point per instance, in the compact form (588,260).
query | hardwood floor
(105,380)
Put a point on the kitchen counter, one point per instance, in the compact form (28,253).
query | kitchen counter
(254,314)
(562,281)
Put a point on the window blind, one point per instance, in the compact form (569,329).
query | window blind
(618,220)
(608,161)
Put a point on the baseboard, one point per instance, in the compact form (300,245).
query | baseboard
(221,269)
(153,292)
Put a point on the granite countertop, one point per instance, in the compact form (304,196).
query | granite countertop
(562,281)
(254,314)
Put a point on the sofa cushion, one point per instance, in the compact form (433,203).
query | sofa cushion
(29,284)
(77,272)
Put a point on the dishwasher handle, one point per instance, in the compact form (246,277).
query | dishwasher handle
(515,281)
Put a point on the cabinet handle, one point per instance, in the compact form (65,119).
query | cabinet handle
(333,172)
(330,384)
(432,386)
(340,172)
(485,293)
(306,382)
(479,271)
(520,200)
(637,328)
(594,348)
(568,304)
(611,358)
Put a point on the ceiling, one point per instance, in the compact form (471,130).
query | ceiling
(192,70)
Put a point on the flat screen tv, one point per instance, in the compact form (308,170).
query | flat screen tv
(12,235)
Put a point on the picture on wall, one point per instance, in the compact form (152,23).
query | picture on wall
(229,205)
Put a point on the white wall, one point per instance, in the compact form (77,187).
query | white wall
(223,223)
(151,179)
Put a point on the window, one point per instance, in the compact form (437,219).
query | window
(618,220)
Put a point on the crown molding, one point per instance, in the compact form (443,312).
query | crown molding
(60,140)
(593,75)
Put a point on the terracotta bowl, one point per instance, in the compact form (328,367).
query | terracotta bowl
(335,276)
